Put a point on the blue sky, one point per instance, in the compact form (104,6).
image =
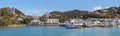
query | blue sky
(41,6)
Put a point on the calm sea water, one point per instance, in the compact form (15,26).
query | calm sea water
(58,31)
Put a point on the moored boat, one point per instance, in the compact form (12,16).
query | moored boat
(69,26)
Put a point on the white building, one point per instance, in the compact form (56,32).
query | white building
(118,20)
(96,21)
(37,22)
(77,21)
(11,11)
(18,19)
(111,21)
(53,21)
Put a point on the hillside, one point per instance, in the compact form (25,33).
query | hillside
(4,12)
(111,12)
(8,15)
(7,18)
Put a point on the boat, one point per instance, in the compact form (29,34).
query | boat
(69,26)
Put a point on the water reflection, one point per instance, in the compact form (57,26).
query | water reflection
(58,31)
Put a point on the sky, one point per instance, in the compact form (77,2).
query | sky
(39,7)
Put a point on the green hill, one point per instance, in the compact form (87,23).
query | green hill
(112,12)
(7,18)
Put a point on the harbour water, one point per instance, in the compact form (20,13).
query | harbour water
(58,31)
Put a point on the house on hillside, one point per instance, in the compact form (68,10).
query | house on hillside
(11,11)
(19,19)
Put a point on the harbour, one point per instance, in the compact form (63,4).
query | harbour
(59,18)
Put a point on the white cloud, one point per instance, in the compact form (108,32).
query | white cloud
(97,8)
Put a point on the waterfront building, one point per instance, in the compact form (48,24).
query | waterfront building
(118,21)
(96,21)
(53,21)
(93,22)
(77,21)
(89,23)
(35,22)
(110,22)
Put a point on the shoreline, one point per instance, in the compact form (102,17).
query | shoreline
(17,25)
(13,25)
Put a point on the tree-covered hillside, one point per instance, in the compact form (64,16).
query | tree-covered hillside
(112,12)
(8,16)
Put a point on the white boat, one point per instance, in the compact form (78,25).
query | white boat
(69,26)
